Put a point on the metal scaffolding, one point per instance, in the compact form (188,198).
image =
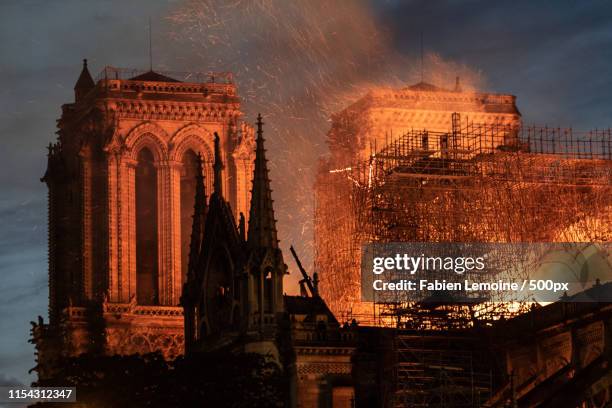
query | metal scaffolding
(437,370)
(480,183)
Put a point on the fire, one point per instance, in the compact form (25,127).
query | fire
(298,62)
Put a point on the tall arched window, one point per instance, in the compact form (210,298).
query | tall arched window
(188,186)
(147,268)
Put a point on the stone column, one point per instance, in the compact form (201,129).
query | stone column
(174,169)
(244,177)
(128,229)
(165,229)
(113,227)
(86,225)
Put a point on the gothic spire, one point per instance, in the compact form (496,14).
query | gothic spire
(199,217)
(217,167)
(85,82)
(262,225)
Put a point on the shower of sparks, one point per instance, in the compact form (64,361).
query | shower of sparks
(298,62)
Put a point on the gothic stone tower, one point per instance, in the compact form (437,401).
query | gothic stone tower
(235,280)
(122,181)
(233,298)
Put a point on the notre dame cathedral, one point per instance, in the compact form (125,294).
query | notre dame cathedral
(162,238)
(134,269)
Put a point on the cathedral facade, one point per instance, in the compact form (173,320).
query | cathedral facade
(121,184)
(162,238)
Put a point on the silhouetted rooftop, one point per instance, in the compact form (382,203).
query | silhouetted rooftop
(301,305)
(424,86)
(164,76)
(153,76)
(85,81)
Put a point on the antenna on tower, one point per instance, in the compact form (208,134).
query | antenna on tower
(150,47)
(421,56)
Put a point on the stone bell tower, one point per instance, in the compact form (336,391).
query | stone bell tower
(122,180)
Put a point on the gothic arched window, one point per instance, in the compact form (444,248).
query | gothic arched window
(188,187)
(147,268)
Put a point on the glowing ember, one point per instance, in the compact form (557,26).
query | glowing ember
(297,63)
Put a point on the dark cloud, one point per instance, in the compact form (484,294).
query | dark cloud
(554,55)
(8,381)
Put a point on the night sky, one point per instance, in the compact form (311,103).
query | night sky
(294,64)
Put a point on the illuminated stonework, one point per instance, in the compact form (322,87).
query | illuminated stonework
(382,116)
(121,194)
(385,114)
